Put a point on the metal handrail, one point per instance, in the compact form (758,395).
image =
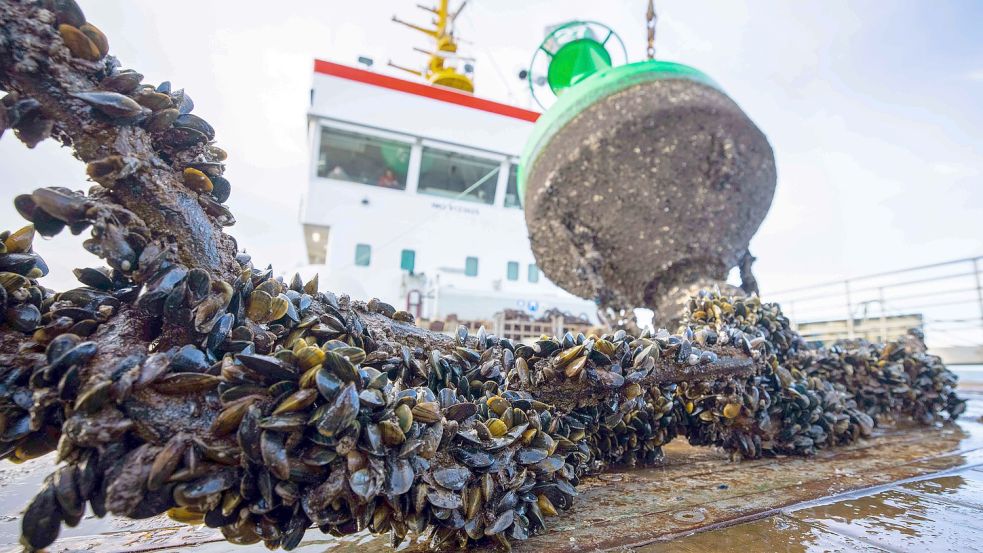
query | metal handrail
(885,273)
(894,309)
(863,305)
(892,285)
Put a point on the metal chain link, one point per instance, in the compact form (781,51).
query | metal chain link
(650,18)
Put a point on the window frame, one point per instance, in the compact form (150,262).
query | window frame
(512,165)
(410,141)
(510,275)
(484,155)
(532,269)
(467,266)
(368,258)
(412,258)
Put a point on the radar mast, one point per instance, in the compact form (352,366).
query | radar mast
(439,71)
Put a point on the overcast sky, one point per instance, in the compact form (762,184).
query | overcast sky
(874,109)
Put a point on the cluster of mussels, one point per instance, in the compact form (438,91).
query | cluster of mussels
(810,397)
(303,418)
(222,394)
(180,138)
(298,417)
(22,301)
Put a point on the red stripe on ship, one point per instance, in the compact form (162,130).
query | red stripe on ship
(419,89)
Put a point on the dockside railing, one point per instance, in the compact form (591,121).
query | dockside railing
(944,299)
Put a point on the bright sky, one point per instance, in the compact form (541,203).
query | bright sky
(874,109)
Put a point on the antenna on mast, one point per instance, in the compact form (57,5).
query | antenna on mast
(438,70)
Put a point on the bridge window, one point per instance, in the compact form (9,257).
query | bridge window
(512,272)
(512,198)
(471,266)
(355,157)
(363,255)
(533,273)
(407,260)
(458,176)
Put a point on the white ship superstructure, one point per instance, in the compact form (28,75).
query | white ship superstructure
(413,198)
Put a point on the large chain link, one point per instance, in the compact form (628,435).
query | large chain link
(650,26)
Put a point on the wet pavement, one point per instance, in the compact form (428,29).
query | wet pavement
(906,489)
(937,512)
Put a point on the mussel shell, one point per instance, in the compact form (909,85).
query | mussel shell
(341,366)
(112,104)
(184,382)
(42,519)
(248,435)
(341,414)
(183,101)
(123,82)
(453,478)
(221,189)
(475,459)
(78,355)
(21,263)
(69,384)
(24,317)
(46,224)
(11,282)
(267,366)
(371,441)
(328,384)
(188,359)
(294,532)
(215,482)
(162,120)
(443,498)
(67,12)
(460,411)
(101,279)
(19,428)
(530,456)
(274,454)
(220,332)
(191,121)
(181,138)
(364,484)
(149,98)
(292,422)
(80,45)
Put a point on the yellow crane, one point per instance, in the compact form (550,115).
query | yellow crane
(438,71)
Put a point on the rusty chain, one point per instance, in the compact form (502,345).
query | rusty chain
(650,19)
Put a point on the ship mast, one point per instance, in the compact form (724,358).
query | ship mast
(445,48)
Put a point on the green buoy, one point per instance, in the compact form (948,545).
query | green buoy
(641,179)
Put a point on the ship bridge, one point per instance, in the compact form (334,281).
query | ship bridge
(413,198)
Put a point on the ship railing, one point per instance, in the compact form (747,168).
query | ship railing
(522,330)
(944,300)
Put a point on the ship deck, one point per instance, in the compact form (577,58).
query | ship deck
(905,489)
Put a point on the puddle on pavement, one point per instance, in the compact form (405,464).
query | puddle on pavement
(938,514)
(900,521)
(965,488)
(777,533)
